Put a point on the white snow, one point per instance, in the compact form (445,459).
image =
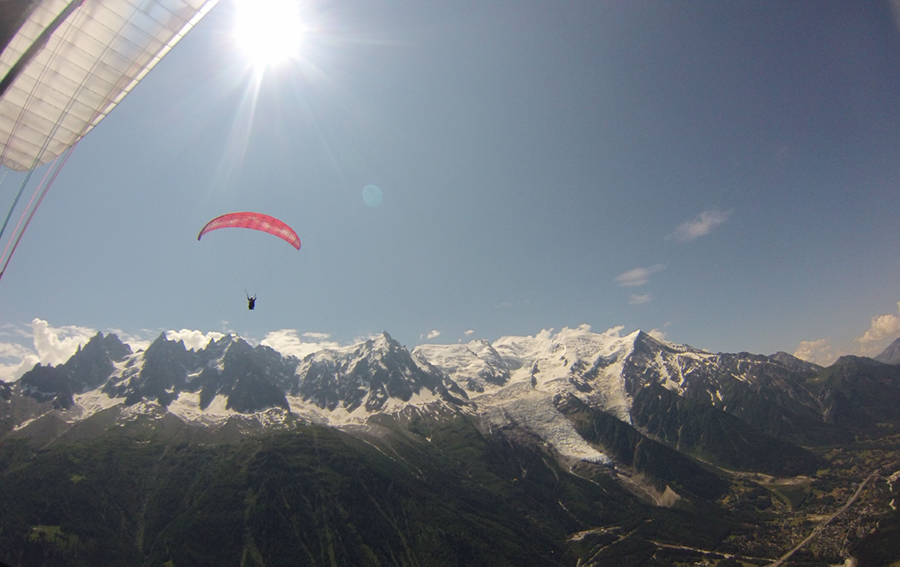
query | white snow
(535,411)
(543,366)
(143,408)
(131,366)
(609,393)
(549,360)
(463,362)
(187,407)
(93,402)
(272,417)
(341,416)
(28,422)
(306,411)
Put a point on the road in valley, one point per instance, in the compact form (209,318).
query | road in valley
(818,529)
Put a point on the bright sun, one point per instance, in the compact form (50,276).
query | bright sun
(269,31)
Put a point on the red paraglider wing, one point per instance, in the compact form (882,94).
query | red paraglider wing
(256,221)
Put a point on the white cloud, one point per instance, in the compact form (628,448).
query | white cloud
(317,336)
(136,342)
(55,345)
(469,332)
(701,226)
(882,326)
(8,329)
(289,343)
(818,352)
(52,346)
(14,371)
(193,340)
(612,332)
(637,276)
(431,335)
(657,334)
(13,350)
(640,299)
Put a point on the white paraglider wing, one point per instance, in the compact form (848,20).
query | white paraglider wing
(72,61)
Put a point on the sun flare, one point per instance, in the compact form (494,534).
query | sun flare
(269,32)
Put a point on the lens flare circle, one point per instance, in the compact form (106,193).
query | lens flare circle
(372,195)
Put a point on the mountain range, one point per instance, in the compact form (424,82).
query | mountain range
(615,434)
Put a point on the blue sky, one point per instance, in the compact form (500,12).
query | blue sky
(725,174)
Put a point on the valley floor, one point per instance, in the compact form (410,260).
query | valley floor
(815,521)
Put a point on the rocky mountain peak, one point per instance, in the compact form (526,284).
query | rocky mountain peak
(90,367)
(235,348)
(850,359)
(476,366)
(109,346)
(370,377)
(890,355)
(380,345)
(794,363)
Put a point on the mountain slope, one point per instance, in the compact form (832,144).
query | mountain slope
(710,434)
(890,355)
(857,393)
(662,465)
(314,496)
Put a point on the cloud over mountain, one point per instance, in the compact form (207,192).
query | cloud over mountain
(193,340)
(289,343)
(818,351)
(881,327)
(56,344)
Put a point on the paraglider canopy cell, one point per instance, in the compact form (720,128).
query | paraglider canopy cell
(254,221)
(70,62)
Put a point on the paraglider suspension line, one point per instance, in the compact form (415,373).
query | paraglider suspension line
(10,76)
(43,192)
